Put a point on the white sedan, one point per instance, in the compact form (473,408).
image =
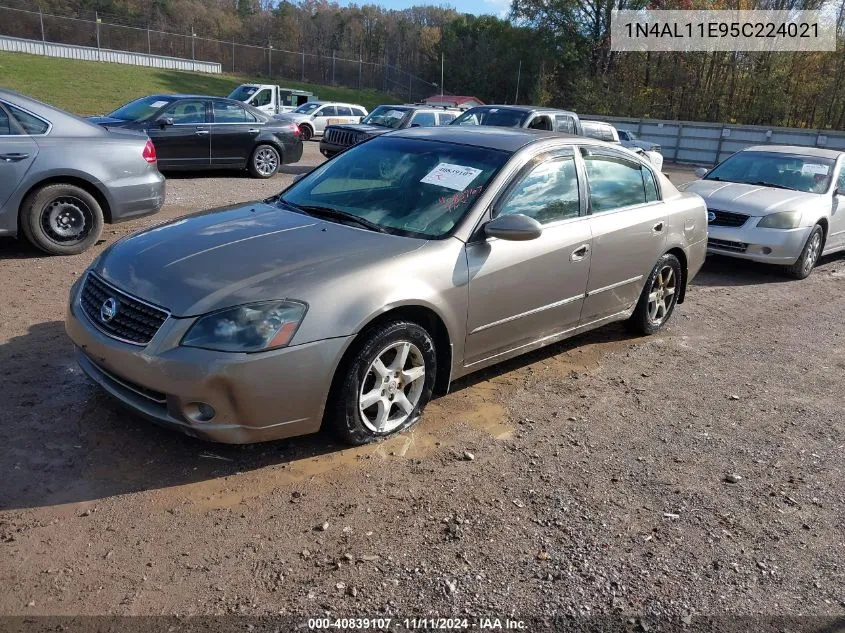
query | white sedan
(776,204)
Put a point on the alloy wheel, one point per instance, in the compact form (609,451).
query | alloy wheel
(392,387)
(266,161)
(813,250)
(67,219)
(661,297)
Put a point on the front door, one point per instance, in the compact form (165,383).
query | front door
(17,153)
(836,233)
(520,292)
(327,115)
(186,143)
(629,226)
(233,134)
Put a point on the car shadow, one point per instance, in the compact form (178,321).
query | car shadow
(720,271)
(66,441)
(292,169)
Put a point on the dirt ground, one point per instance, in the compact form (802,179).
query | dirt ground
(699,471)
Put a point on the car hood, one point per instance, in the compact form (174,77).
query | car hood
(751,199)
(240,254)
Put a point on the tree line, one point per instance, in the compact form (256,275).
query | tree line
(546,52)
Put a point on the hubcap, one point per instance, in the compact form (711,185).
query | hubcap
(813,249)
(67,219)
(266,161)
(392,387)
(661,297)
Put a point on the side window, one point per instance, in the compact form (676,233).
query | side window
(5,125)
(564,123)
(541,122)
(231,113)
(187,112)
(607,134)
(30,124)
(423,119)
(327,111)
(263,98)
(445,118)
(650,186)
(840,183)
(548,193)
(615,182)
(358,112)
(344,111)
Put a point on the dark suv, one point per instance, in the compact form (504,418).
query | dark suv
(524,116)
(384,119)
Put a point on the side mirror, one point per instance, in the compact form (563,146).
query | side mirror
(838,191)
(701,172)
(165,121)
(415,125)
(514,228)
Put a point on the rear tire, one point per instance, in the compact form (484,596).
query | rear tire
(264,162)
(61,219)
(659,296)
(384,386)
(810,254)
(305,132)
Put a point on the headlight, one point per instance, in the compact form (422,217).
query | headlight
(254,327)
(780,220)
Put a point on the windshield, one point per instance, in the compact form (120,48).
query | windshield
(413,187)
(307,108)
(628,136)
(501,117)
(141,109)
(243,93)
(386,116)
(787,171)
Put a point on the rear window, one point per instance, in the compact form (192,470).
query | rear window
(31,124)
(500,117)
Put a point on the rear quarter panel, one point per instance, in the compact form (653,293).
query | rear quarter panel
(687,216)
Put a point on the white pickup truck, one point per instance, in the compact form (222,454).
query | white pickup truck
(270,98)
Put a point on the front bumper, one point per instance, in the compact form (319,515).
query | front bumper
(134,197)
(770,246)
(256,397)
(331,149)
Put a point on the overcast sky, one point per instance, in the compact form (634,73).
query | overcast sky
(496,7)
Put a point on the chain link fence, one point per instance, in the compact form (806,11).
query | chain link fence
(233,56)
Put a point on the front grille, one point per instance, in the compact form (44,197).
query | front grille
(344,138)
(134,321)
(149,394)
(727,245)
(726,218)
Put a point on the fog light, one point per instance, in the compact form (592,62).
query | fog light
(766,250)
(199,411)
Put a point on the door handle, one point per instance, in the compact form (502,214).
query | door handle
(657,228)
(254,131)
(579,253)
(14,157)
(201,132)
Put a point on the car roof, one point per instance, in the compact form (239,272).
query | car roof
(509,139)
(796,149)
(62,123)
(335,103)
(522,108)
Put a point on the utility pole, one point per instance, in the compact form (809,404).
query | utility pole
(43,40)
(193,41)
(518,74)
(334,63)
(97,21)
(442,62)
(149,44)
(303,65)
(233,53)
(269,59)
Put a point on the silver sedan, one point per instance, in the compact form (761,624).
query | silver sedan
(775,204)
(61,177)
(389,271)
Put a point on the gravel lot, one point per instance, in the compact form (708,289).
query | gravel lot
(695,472)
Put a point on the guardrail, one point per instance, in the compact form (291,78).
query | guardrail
(700,143)
(89,53)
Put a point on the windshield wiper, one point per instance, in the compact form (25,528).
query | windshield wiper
(328,212)
(763,183)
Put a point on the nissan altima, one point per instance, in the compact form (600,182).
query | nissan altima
(376,280)
(775,204)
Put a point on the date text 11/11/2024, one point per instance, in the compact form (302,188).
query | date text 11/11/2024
(417,624)
(721,29)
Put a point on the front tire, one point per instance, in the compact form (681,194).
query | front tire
(385,385)
(810,254)
(61,219)
(264,162)
(659,296)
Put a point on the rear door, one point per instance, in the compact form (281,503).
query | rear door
(17,149)
(836,236)
(344,114)
(423,118)
(233,133)
(187,142)
(327,115)
(628,222)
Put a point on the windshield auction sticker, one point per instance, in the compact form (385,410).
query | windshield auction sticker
(451,176)
(730,30)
